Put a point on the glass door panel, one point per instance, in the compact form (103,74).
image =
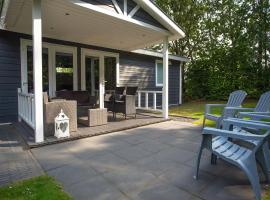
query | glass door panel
(45,69)
(88,73)
(92,80)
(64,71)
(110,73)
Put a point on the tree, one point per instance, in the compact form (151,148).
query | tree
(228,43)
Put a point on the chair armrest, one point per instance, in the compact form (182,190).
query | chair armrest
(227,123)
(239,108)
(209,106)
(252,121)
(233,134)
(255,115)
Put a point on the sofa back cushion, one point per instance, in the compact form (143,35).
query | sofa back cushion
(120,90)
(131,90)
(82,97)
(65,94)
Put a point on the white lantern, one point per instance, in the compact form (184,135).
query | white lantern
(61,125)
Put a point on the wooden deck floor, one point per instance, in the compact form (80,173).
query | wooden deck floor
(113,125)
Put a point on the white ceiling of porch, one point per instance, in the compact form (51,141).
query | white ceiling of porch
(66,21)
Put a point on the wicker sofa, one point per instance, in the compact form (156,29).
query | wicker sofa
(51,110)
(83,98)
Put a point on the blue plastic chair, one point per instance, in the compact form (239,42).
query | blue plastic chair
(235,100)
(262,108)
(221,143)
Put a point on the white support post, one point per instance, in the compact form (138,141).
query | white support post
(180,84)
(139,100)
(146,100)
(101,81)
(165,90)
(125,7)
(92,77)
(155,101)
(37,66)
(83,80)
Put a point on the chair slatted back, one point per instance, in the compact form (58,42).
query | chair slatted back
(263,104)
(235,100)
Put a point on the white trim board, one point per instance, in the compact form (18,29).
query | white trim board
(3,14)
(52,49)
(159,62)
(160,55)
(156,70)
(122,17)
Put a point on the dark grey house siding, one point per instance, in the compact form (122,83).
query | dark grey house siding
(140,70)
(135,70)
(10,75)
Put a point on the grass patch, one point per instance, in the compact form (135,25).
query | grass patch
(38,188)
(195,109)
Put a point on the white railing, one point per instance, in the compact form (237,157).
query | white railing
(26,107)
(146,99)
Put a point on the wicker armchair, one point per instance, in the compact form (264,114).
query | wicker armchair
(125,106)
(51,110)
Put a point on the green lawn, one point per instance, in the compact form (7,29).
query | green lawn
(38,188)
(195,109)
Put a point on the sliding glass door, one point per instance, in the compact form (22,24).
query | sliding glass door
(30,72)
(64,71)
(90,70)
(59,67)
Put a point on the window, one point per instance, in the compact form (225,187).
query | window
(159,73)
(64,71)
(45,69)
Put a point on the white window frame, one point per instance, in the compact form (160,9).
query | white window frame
(52,49)
(159,62)
(100,54)
(156,70)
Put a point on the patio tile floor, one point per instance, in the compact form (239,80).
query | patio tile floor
(153,162)
(15,163)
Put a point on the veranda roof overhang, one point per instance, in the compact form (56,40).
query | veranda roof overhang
(78,21)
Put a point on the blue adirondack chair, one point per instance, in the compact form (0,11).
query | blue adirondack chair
(255,119)
(262,108)
(235,100)
(219,142)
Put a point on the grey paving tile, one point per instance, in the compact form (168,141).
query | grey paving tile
(72,173)
(133,138)
(129,179)
(90,147)
(225,189)
(15,163)
(96,188)
(185,144)
(175,154)
(106,162)
(153,146)
(155,165)
(132,154)
(53,156)
(159,190)
(182,177)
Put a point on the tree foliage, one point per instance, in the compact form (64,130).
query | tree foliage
(228,42)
